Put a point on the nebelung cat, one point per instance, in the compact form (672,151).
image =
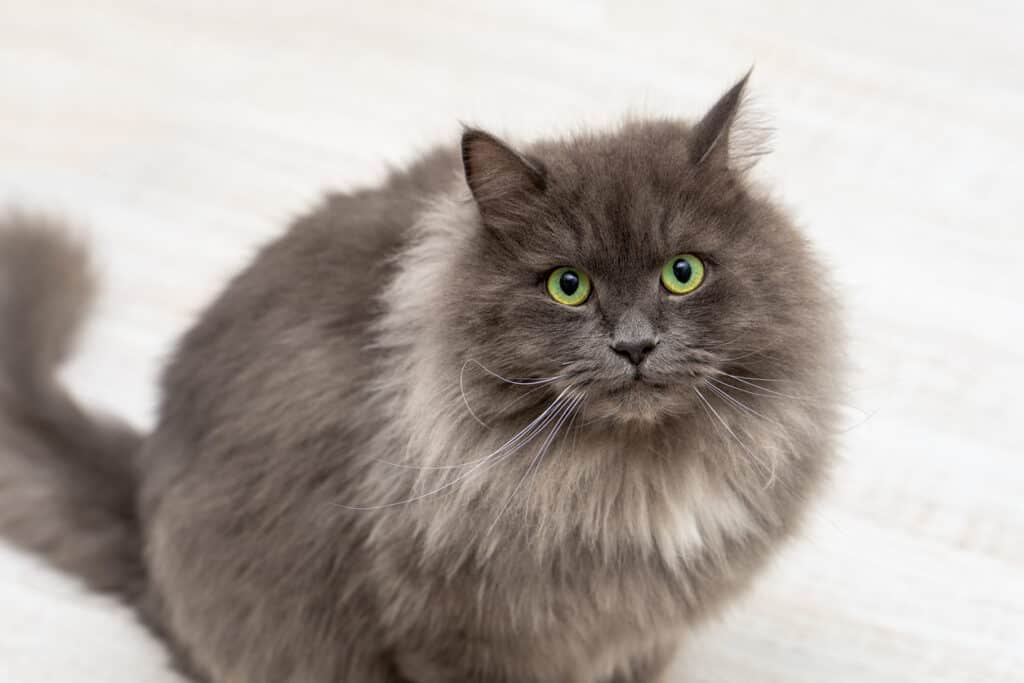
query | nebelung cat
(516,415)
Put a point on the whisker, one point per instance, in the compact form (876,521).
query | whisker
(758,379)
(508,406)
(579,426)
(740,404)
(764,391)
(867,416)
(527,432)
(462,385)
(465,400)
(523,382)
(771,470)
(494,457)
(541,452)
(763,359)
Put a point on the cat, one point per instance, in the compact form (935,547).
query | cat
(517,414)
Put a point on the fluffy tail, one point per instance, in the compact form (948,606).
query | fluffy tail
(67,486)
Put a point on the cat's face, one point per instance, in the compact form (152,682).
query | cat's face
(631,268)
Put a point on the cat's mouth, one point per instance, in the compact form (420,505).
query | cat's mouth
(643,397)
(640,397)
(638,383)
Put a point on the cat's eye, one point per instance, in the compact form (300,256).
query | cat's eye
(682,273)
(568,286)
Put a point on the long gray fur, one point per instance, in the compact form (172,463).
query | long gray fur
(385,454)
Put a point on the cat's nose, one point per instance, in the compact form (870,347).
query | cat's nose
(634,336)
(635,349)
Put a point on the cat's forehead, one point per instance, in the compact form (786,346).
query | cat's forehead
(649,154)
(631,197)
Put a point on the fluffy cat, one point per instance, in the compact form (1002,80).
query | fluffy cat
(516,416)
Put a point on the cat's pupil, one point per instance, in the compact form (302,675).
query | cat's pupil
(569,282)
(682,270)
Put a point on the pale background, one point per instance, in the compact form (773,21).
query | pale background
(182,134)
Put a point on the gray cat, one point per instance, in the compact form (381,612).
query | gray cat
(514,416)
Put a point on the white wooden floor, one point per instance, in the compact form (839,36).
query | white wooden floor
(184,133)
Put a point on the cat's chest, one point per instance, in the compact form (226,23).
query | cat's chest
(612,498)
(608,523)
(616,499)
(586,558)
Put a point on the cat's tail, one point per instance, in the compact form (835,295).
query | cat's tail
(67,483)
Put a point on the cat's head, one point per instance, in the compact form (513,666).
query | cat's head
(631,266)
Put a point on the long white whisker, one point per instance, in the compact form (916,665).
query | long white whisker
(496,457)
(757,379)
(508,406)
(740,404)
(579,426)
(462,385)
(465,400)
(541,452)
(522,382)
(771,470)
(527,432)
(764,391)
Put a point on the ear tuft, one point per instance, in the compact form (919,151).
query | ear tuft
(713,141)
(497,175)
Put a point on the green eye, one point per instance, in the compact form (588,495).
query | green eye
(682,274)
(568,286)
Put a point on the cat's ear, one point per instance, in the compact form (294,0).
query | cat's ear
(499,177)
(712,138)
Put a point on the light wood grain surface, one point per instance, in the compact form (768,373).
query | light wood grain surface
(182,134)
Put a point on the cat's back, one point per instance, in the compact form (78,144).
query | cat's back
(287,347)
(263,416)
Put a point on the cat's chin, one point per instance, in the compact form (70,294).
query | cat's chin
(638,402)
